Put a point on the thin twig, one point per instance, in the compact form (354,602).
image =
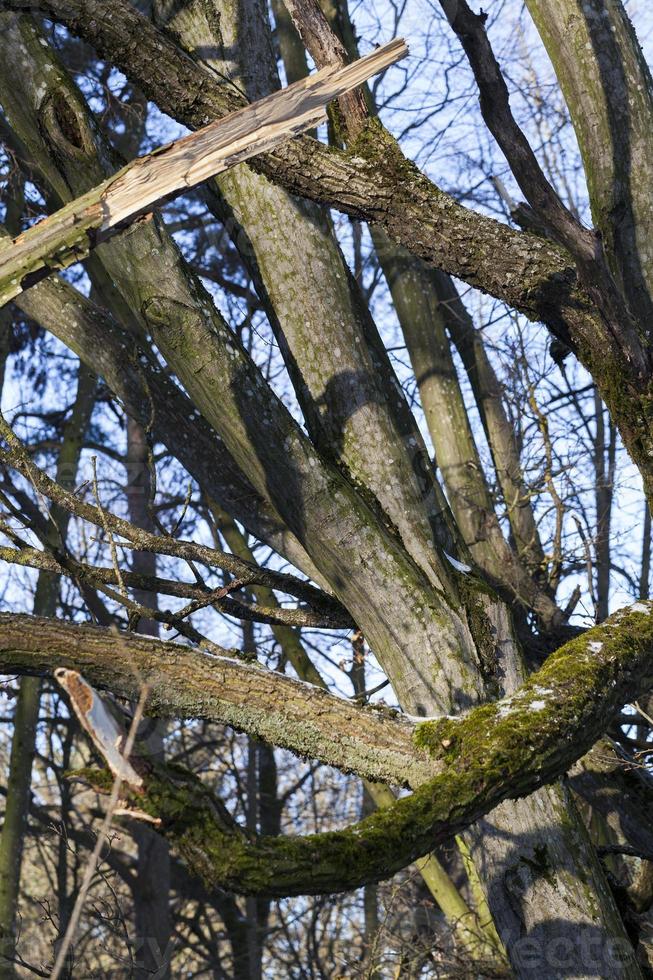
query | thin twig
(91,867)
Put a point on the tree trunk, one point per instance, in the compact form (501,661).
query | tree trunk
(27,705)
(151,890)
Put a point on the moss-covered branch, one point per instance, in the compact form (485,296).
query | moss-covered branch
(499,751)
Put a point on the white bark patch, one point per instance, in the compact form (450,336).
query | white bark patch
(458,565)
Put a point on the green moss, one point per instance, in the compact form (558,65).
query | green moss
(375,143)
(503,749)
(493,736)
(101,780)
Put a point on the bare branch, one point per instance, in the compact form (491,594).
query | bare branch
(203,596)
(495,108)
(375,743)
(18,458)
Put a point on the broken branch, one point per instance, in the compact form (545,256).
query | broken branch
(69,235)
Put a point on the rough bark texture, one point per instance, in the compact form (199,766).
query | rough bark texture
(348,501)
(186,683)
(68,235)
(608,89)
(497,750)
(374,181)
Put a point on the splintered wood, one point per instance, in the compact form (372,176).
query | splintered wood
(69,235)
(102,727)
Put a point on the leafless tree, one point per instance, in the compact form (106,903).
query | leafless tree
(362,450)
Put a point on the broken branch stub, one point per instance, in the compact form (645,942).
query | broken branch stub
(105,732)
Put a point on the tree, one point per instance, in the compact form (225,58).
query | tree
(441,566)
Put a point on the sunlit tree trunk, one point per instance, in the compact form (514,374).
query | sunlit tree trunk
(359,496)
(504,848)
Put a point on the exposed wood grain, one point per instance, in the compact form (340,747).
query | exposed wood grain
(68,235)
(102,727)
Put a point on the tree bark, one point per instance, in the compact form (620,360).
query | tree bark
(69,235)
(531,910)
(609,93)
(152,889)
(497,751)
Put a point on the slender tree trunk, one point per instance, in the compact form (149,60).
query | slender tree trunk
(645,571)
(254,944)
(28,701)
(370,898)
(15,819)
(152,887)
(604,449)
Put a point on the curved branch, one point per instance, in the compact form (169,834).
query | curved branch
(498,751)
